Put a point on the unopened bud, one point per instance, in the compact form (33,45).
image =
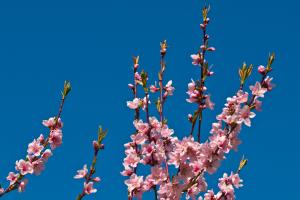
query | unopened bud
(101,146)
(97,179)
(131,86)
(96,145)
(210,73)
(261,69)
(211,49)
(190,117)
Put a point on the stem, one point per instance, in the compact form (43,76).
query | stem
(202,84)
(92,170)
(162,101)
(155,192)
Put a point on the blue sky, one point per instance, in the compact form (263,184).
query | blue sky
(90,43)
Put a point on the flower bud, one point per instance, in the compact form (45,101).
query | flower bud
(261,69)
(101,146)
(97,179)
(211,49)
(130,86)
(96,145)
(190,117)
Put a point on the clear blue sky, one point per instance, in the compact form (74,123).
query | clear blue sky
(90,43)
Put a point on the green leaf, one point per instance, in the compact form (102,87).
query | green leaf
(101,134)
(67,88)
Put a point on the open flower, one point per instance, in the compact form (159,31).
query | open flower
(24,167)
(133,104)
(12,177)
(81,173)
(35,148)
(258,90)
(89,188)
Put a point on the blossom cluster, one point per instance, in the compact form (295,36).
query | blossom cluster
(157,146)
(87,175)
(38,151)
(227,184)
(154,145)
(37,156)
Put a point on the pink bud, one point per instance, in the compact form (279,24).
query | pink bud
(136,66)
(101,146)
(210,73)
(203,47)
(190,117)
(261,69)
(202,26)
(96,145)
(97,179)
(211,49)
(130,86)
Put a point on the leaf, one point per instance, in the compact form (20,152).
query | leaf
(101,134)
(243,163)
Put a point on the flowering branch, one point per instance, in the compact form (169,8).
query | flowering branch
(88,187)
(153,143)
(38,151)
(196,91)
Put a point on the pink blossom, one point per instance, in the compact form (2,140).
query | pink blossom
(53,123)
(128,171)
(1,190)
(225,184)
(169,88)
(46,155)
(196,59)
(55,138)
(242,97)
(131,86)
(246,115)
(141,126)
(154,89)
(22,185)
(211,49)
(35,148)
(97,179)
(144,102)
(258,90)
(133,104)
(209,195)
(166,132)
(25,167)
(134,182)
(81,173)
(137,77)
(267,83)
(12,177)
(257,104)
(261,69)
(89,188)
(208,103)
(132,159)
(38,166)
(41,139)
(236,180)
